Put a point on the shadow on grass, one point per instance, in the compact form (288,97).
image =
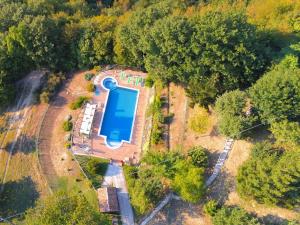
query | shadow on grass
(24,144)
(17,196)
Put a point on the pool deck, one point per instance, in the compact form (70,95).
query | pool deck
(96,143)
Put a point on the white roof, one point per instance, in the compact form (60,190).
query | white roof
(88,117)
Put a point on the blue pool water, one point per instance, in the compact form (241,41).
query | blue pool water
(118,118)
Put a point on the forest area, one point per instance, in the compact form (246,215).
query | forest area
(239,57)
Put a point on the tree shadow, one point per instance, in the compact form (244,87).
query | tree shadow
(221,187)
(18,196)
(24,144)
(273,220)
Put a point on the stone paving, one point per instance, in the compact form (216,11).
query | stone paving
(95,146)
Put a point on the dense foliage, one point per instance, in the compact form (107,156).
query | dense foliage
(94,168)
(271,176)
(233,119)
(64,209)
(276,95)
(233,216)
(161,171)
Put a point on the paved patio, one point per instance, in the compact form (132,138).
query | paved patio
(95,146)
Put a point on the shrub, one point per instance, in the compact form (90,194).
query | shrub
(199,121)
(90,87)
(144,186)
(210,207)
(233,216)
(53,82)
(78,102)
(198,156)
(67,125)
(68,145)
(149,82)
(95,168)
(188,181)
(88,76)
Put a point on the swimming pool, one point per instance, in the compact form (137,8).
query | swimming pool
(118,118)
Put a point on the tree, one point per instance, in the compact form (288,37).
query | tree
(130,35)
(287,134)
(167,49)
(188,181)
(270,176)
(198,156)
(276,95)
(233,216)
(227,46)
(64,209)
(232,118)
(96,42)
(202,90)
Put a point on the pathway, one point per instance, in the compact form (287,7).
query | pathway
(114,177)
(220,162)
(19,116)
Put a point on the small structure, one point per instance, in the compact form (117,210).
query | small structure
(87,121)
(108,200)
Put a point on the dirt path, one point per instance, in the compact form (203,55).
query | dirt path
(20,112)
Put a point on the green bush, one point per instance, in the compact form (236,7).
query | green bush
(149,82)
(67,125)
(88,76)
(198,156)
(145,188)
(95,168)
(233,216)
(210,207)
(78,102)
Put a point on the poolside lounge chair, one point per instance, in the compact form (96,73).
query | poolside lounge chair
(129,80)
(122,75)
(137,81)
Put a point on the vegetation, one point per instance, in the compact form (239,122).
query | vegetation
(233,119)
(271,176)
(64,208)
(78,102)
(90,87)
(287,134)
(161,171)
(233,216)
(200,121)
(88,76)
(157,119)
(94,168)
(276,95)
(198,156)
(67,125)
(52,84)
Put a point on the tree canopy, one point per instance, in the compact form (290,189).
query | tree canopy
(64,209)
(231,108)
(270,176)
(276,95)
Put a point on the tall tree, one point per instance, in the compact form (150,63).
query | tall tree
(64,209)
(231,108)
(276,95)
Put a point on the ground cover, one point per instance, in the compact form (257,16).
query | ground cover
(94,168)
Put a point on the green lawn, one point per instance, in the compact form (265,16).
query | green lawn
(94,168)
